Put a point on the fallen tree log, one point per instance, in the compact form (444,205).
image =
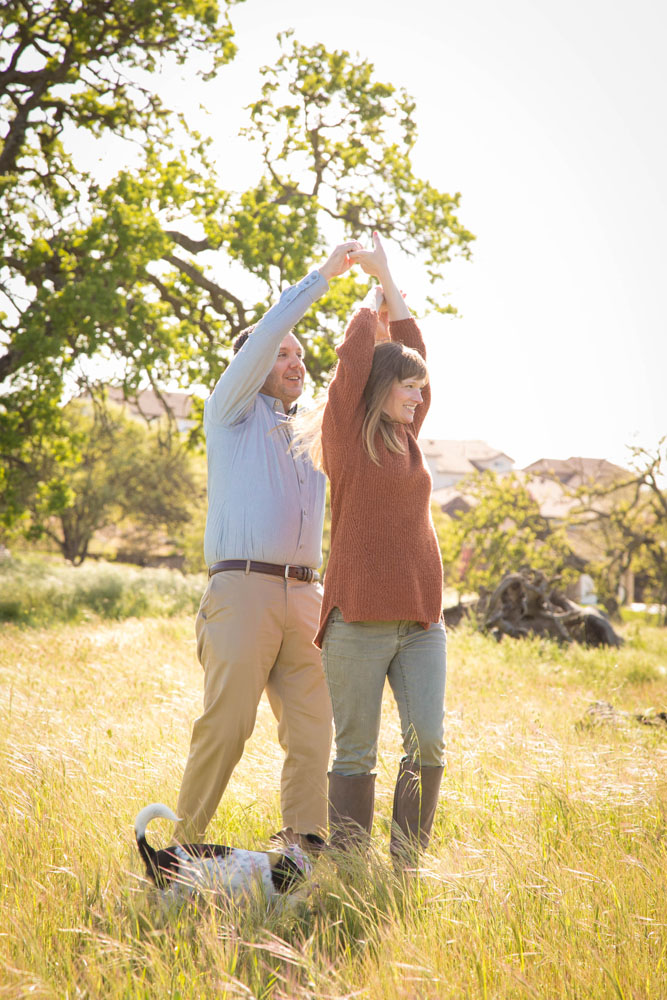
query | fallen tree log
(526,603)
(603,713)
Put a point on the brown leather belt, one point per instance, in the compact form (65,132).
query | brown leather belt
(303,573)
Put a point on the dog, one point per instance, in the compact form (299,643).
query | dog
(184,870)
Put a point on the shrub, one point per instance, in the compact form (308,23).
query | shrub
(36,591)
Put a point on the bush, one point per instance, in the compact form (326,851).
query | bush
(36,591)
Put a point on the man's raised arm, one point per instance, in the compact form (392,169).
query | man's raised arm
(237,387)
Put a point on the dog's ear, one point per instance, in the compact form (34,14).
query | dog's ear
(285,872)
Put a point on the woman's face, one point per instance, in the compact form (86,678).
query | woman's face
(403,399)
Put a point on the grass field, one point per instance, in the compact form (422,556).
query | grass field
(545,877)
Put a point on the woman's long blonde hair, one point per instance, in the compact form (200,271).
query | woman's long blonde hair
(392,362)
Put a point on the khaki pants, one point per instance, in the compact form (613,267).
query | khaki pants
(254,633)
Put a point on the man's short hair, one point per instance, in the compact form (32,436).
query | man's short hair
(242,337)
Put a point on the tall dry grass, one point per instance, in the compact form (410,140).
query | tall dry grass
(545,877)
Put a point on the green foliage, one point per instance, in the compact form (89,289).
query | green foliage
(110,468)
(46,442)
(190,540)
(72,255)
(36,592)
(337,147)
(501,532)
(123,271)
(627,520)
(338,141)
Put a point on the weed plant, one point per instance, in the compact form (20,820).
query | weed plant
(545,877)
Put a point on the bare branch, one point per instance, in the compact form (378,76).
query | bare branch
(165,294)
(217,293)
(194,246)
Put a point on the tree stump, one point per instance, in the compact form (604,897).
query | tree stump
(526,603)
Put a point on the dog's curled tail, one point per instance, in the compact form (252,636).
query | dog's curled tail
(149,855)
(155,811)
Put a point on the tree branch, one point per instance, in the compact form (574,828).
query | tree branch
(217,293)
(194,246)
(175,303)
(9,363)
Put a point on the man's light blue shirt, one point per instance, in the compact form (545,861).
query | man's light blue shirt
(263,503)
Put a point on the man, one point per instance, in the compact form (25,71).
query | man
(260,611)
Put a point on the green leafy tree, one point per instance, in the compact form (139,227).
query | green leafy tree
(501,532)
(626,520)
(71,252)
(116,471)
(124,271)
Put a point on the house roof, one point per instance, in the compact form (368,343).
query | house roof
(460,457)
(576,471)
(451,500)
(149,405)
(548,494)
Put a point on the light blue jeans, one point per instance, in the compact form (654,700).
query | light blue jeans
(358,657)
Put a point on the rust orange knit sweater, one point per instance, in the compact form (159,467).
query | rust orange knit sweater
(384,563)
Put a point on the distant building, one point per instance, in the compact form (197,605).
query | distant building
(553,484)
(450,461)
(552,481)
(452,501)
(573,472)
(149,406)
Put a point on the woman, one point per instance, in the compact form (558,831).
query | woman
(381,610)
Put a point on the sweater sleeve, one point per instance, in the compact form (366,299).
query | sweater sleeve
(345,409)
(406,331)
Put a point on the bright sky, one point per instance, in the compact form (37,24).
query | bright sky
(550,117)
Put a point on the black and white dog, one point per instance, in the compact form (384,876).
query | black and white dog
(185,869)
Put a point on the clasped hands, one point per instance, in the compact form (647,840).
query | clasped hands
(373,262)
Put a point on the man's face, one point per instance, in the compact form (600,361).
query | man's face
(285,380)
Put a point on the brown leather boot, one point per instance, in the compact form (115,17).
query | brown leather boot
(415,802)
(351,806)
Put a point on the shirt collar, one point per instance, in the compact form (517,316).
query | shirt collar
(277,406)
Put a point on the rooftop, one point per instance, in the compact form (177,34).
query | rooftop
(461,457)
(576,471)
(149,405)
